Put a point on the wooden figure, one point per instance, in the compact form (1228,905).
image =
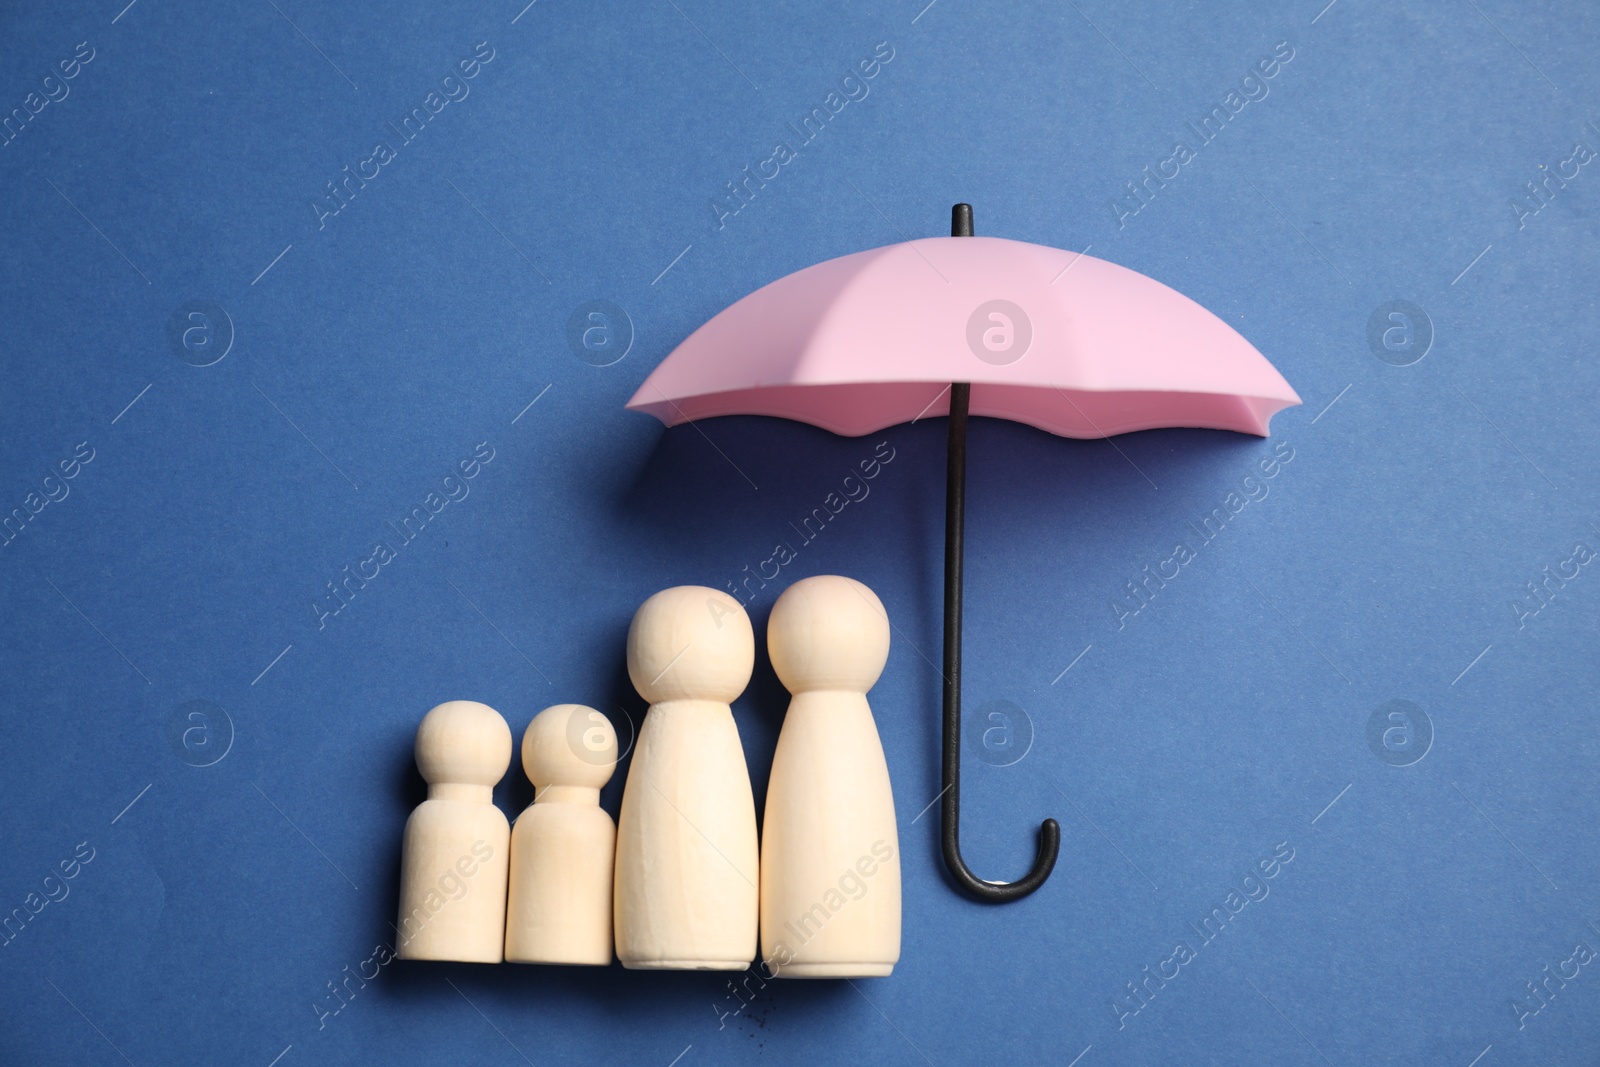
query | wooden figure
(688,865)
(830,859)
(563,844)
(457,847)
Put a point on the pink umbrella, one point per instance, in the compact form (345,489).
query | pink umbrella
(965,325)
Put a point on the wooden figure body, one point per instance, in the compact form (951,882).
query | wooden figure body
(563,845)
(830,860)
(457,847)
(688,864)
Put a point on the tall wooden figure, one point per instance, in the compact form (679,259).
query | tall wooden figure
(688,865)
(457,847)
(830,860)
(563,844)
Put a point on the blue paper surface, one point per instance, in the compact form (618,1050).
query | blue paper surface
(272,271)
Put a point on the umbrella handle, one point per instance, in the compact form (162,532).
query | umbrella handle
(955,506)
(950,812)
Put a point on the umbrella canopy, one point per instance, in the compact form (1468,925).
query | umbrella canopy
(962,325)
(1059,340)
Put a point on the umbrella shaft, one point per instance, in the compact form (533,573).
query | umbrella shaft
(955,509)
(955,505)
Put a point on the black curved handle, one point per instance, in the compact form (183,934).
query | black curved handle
(955,502)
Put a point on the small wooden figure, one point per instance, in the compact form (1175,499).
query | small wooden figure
(830,859)
(688,864)
(563,844)
(457,847)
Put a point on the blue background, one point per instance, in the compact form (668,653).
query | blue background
(373,349)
